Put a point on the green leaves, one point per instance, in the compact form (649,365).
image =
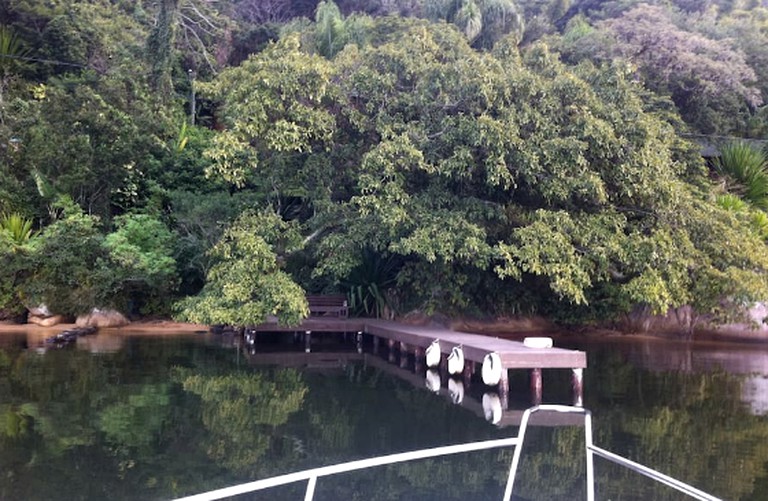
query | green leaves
(468,167)
(545,247)
(247,283)
(274,110)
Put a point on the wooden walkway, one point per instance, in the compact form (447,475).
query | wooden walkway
(415,339)
(513,354)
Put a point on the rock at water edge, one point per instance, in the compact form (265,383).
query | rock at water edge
(102,318)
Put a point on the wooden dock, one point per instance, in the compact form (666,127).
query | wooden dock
(513,354)
(414,339)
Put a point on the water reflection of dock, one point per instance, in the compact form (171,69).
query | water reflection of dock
(336,360)
(476,348)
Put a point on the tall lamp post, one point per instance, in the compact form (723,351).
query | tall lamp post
(192,74)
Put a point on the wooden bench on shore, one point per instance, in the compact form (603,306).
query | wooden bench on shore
(333,305)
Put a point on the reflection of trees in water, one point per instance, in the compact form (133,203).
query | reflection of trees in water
(242,410)
(126,424)
(117,423)
(691,426)
(363,412)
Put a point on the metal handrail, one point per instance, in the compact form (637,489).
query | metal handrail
(653,474)
(591,450)
(519,448)
(312,475)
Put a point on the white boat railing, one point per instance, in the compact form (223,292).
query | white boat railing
(311,476)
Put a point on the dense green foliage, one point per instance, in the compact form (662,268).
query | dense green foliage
(497,157)
(465,162)
(246,285)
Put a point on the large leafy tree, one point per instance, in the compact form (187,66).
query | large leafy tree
(709,63)
(247,284)
(686,64)
(490,165)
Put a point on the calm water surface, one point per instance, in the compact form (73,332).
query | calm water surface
(121,417)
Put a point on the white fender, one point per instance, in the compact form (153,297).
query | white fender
(432,354)
(456,361)
(433,381)
(492,408)
(537,342)
(492,369)
(456,390)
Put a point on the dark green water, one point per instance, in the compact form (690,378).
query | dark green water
(155,418)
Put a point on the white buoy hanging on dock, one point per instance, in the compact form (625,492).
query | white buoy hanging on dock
(537,342)
(492,369)
(432,354)
(456,361)
(456,390)
(492,408)
(433,381)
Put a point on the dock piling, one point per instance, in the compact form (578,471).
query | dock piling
(403,355)
(536,386)
(503,389)
(578,387)
(469,369)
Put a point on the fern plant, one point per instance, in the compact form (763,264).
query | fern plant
(731,202)
(745,171)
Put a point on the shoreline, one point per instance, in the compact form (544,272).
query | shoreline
(515,329)
(138,327)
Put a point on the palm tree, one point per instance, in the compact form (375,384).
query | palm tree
(330,28)
(500,18)
(12,53)
(483,22)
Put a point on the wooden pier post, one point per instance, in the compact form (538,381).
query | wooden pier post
(376,345)
(359,342)
(307,341)
(418,359)
(536,386)
(403,355)
(391,346)
(578,387)
(503,389)
(443,365)
(469,369)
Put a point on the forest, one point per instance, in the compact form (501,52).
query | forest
(218,160)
